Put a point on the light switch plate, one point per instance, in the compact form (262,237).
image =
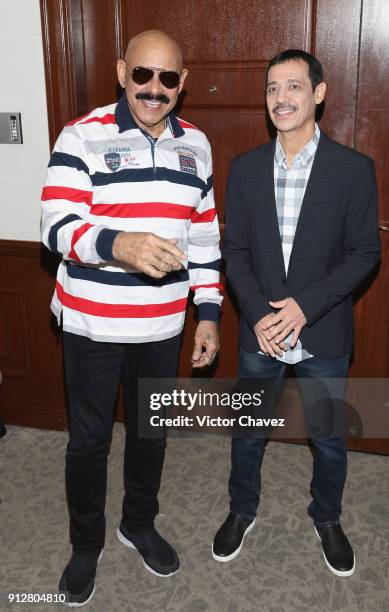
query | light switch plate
(10,128)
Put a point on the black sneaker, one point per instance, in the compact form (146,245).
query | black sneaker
(78,579)
(3,430)
(229,539)
(337,551)
(158,556)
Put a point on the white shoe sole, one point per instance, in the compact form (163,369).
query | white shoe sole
(237,551)
(332,569)
(74,604)
(129,544)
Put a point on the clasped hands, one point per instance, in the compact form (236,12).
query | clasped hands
(272,329)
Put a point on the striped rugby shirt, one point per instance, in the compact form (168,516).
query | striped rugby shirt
(107,175)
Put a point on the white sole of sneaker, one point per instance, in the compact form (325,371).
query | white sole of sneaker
(332,569)
(129,544)
(69,604)
(237,551)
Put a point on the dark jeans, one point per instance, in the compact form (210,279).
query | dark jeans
(93,372)
(330,455)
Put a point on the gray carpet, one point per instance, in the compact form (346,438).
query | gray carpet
(280,569)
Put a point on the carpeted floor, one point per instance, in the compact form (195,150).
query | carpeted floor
(280,569)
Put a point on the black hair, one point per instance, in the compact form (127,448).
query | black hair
(314,66)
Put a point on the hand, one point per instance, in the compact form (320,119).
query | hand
(148,253)
(269,347)
(206,337)
(289,318)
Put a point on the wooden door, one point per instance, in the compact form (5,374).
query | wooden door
(226,45)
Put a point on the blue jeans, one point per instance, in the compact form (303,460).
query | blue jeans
(330,454)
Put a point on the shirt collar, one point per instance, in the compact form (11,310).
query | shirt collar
(126,121)
(305,156)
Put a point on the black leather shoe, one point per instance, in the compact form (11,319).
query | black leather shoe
(158,556)
(337,551)
(78,579)
(229,539)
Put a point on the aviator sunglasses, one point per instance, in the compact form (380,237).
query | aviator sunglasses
(141,75)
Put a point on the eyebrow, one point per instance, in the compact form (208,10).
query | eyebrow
(289,81)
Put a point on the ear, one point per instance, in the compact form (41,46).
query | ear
(320,92)
(121,70)
(184,74)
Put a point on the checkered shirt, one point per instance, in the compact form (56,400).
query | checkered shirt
(289,187)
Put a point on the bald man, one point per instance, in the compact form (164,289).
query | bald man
(128,204)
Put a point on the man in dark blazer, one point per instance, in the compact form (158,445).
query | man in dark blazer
(301,235)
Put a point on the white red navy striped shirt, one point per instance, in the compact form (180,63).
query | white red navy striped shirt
(106,175)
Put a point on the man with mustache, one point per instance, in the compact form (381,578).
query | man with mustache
(128,204)
(301,235)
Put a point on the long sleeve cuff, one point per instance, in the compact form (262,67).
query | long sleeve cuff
(208,311)
(104,243)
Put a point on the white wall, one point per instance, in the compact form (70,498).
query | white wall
(22,89)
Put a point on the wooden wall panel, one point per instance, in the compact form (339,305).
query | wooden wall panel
(336,44)
(372,124)
(82,40)
(225,84)
(225,31)
(32,393)
(59,66)
(97,44)
(14,344)
(372,137)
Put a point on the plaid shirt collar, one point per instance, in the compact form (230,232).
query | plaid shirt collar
(305,156)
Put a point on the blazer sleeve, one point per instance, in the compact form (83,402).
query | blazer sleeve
(237,254)
(361,246)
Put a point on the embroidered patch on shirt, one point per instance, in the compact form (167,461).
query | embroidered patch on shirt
(187,164)
(186,150)
(112,160)
(119,157)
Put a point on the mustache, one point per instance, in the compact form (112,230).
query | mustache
(284,107)
(145,95)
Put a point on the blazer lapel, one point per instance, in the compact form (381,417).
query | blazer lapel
(267,188)
(317,171)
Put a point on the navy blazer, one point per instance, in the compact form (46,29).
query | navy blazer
(335,246)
